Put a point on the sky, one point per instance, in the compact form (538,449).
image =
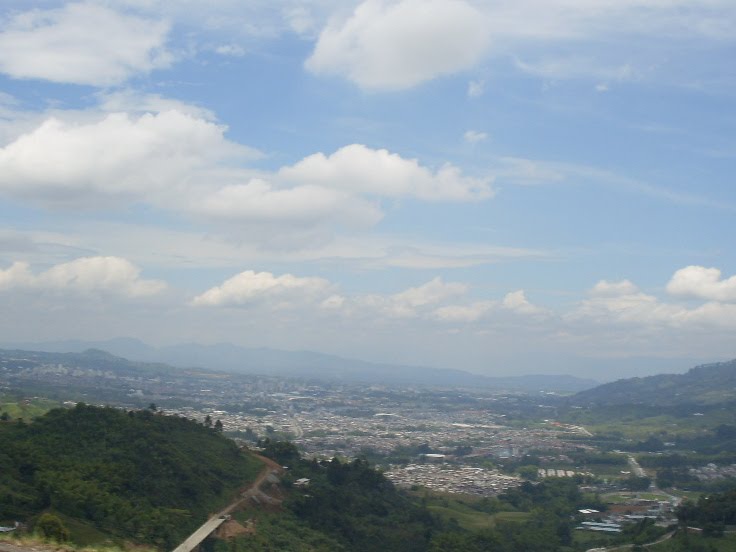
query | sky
(498,186)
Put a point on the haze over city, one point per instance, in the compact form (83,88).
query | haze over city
(499,187)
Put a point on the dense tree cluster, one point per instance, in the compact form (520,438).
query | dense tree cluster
(711,512)
(137,474)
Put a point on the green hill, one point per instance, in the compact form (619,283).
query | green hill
(135,475)
(708,384)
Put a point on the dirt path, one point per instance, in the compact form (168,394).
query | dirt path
(251,493)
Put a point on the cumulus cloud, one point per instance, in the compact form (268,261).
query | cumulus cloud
(395,45)
(702,283)
(173,156)
(259,200)
(410,303)
(250,287)
(622,303)
(517,302)
(358,168)
(81,43)
(154,156)
(430,293)
(513,302)
(391,45)
(606,288)
(110,275)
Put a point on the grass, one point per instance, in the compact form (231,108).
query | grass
(459,508)
(27,408)
(473,520)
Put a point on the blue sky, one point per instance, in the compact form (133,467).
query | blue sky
(498,186)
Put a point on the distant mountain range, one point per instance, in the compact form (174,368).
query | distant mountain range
(305,364)
(706,384)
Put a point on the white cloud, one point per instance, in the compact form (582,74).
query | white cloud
(622,303)
(389,45)
(517,302)
(110,275)
(430,293)
(174,156)
(702,283)
(474,136)
(410,303)
(249,287)
(395,45)
(605,288)
(513,302)
(81,43)
(135,103)
(155,157)
(259,200)
(360,169)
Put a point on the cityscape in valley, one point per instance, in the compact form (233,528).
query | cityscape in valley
(454,449)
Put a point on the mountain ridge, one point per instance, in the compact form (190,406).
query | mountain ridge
(711,383)
(230,358)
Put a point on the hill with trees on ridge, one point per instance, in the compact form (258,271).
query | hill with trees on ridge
(133,475)
(707,384)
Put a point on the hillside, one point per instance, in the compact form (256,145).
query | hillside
(230,358)
(135,475)
(708,384)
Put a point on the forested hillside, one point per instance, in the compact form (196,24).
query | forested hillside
(136,474)
(704,385)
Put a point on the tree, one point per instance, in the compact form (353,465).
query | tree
(208,421)
(4,416)
(50,526)
(218,426)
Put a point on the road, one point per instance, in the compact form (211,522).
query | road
(200,534)
(251,492)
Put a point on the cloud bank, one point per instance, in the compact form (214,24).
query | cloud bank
(108,275)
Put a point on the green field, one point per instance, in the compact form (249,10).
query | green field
(25,408)
(460,508)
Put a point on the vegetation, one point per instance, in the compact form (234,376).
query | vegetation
(711,513)
(707,384)
(138,475)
